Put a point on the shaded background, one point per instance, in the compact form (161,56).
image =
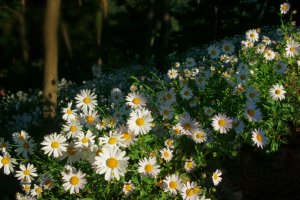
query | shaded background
(134,33)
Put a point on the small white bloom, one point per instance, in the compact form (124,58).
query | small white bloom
(221,123)
(149,167)
(172,73)
(277,92)
(259,138)
(216,177)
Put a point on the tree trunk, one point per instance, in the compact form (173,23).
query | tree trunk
(23,31)
(162,50)
(101,27)
(50,70)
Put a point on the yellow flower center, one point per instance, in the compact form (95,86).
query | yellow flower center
(227,48)
(21,137)
(136,101)
(69,111)
(166,112)
(213,52)
(112,141)
(86,100)
(74,180)
(186,93)
(252,95)
(189,192)
(199,135)
(222,122)
(140,121)
(189,164)
(26,188)
(111,163)
(127,187)
(170,142)
(252,35)
(102,123)
(243,77)
(54,145)
(26,145)
(196,189)
(126,136)
(216,176)
(177,131)
(251,112)
(71,151)
(166,154)
(279,66)
(187,126)
(292,49)
(48,183)
(26,172)
(73,128)
(38,190)
(90,119)
(148,168)
(85,140)
(169,96)
(5,160)
(278,92)
(173,184)
(259,137)
(3,145)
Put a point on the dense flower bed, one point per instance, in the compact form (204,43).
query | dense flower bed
(161,136)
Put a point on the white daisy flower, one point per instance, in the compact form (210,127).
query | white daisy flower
(186,93)
(190,62)
(112,163)
(177,130)
(284,8)
(26,173)
(189,165)
(68,113)
(86,100)
(73,154)
(4,146)
(252,94)
(238,125)
(25,148)
(252,35)
(128,188)
(19,137)
(90,117)
(227,47)
(26,187)
(172,184)
(7,163)
(269,54)
(200,82)
(266,40)
(74,181)
(260,48)
(127,136)
(47,183)
(140,121)
(246,44)
(112,140)
(166,111)
(85,140)
(259,138)
(169,143)
(116,96)
(280,68)
(190,191)
(213,51)
(199,136)
(216,177)
(209,111)
(292,48)
(252,113)
(187,124)
(149,167)
(221,123)
(242,77)
(135,100)
(72,129)
(102,125)
(54,144)
(166,154)
(172,73)
(277,92)
(36,191)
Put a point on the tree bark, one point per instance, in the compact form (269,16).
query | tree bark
(51,60)
(101,27)
(163,41)
(23,31)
